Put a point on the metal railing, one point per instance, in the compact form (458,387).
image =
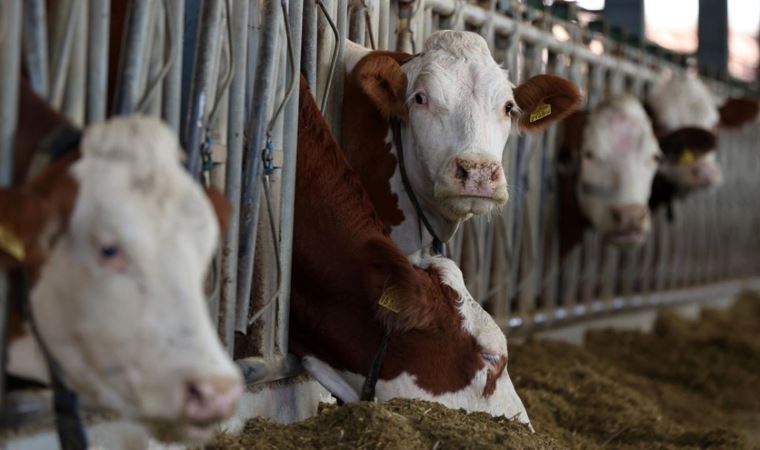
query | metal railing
(220,72)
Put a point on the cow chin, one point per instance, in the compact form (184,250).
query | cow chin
(185,433)
(626,238)
(462,207)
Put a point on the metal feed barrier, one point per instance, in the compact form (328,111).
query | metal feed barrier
(224,74)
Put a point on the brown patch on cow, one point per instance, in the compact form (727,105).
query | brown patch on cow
(738,111)
(560,94)
(494,372)
(365,128)
(343,262)
(697,140)
(222,207)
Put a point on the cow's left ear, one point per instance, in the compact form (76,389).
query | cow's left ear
(222,207)
(738,111)
(544,99)
(380,76)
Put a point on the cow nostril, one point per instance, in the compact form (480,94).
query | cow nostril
(617,216)
(495,174)
(461,172)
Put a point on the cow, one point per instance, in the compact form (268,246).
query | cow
(686,118)
(450,109)
(114,238)
(606,161)
(351,283)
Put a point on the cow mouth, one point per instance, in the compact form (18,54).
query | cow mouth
(626,238)
(184,432)
(458,207)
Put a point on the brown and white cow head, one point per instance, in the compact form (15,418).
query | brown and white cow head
(457,108)
(686,117)
(618,157)
(117,244)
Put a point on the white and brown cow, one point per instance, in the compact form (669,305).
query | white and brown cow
(115,238)
(686,118)
(606,161)
(455,109)
(350,282)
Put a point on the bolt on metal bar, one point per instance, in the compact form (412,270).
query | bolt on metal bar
(201,90)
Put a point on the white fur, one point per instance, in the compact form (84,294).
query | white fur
(620,139)
(684,101)
(503,402)
(128,340)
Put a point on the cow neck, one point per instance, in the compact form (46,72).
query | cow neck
(437,245)
(333,316)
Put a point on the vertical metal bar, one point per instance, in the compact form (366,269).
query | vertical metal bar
(10,56)
(235,138)
(309,44)
(97,59)
(73,100)
(173,83)
(201,90)
(63,36)
(254,30)
(132,56)
(252,166)
(288,180)
(36,46)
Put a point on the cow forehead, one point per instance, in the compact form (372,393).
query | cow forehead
(621,128)
(683,101)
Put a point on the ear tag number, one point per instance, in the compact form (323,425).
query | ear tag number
(11,244)
(387,301)
(540,112)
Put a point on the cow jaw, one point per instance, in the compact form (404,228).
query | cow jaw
(120,303)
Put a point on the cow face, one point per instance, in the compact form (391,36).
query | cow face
(618,160)
(457,109)
(686,117)
(118,292)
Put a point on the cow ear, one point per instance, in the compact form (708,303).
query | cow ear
(544,99)
(23,218)
(222,207)
(381,78)
(738,111)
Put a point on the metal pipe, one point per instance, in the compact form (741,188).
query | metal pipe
(10,61)
(173,81)
(74,96)
(233,177)
(63,36)
(133,56)
(309,44)
(97,59)
(288,180)
(252,167)
(36,46)
(201,90)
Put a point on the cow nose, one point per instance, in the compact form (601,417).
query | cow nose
(477,177)
(706,173)
(629,216)
(213,399)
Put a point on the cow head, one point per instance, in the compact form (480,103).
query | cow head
(618,157)
(117,245)
(457,108)
(686,118)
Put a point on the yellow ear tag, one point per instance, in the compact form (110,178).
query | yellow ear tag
(540,112)
(387,302)
(11,244)
(687,157)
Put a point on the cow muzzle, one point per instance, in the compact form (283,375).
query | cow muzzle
(630,225)
(477,178)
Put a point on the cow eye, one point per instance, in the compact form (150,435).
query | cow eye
(658,158)
(112,256)
(420,98)
(508,108)
(588,154)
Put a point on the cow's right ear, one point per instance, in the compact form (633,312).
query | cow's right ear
(381,78)
(738,111)
(23,218)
